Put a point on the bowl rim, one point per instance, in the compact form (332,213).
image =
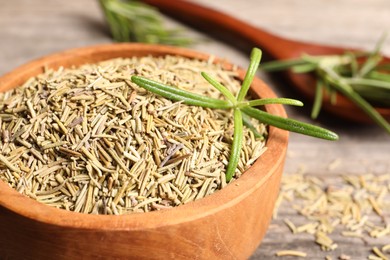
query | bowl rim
(256,176)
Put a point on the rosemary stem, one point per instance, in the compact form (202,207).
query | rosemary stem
(368,82)
(281,65)
(347,90)
(317,99)
(236,145)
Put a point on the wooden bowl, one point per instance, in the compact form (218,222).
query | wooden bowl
(227,224)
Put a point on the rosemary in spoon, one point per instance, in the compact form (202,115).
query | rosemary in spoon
(364,83)
(132,21)
(241,108)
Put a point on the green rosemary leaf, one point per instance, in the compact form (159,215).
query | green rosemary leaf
(379,76)
(247,122)
(179,94)
(329,90)
(347,90)
(354,67)
(373,59)
(304,68)
(281,65)
(229,96)
(378,97)
(250,73)
(119,29)
(369,65)
(236,145)
(290,124)
(266,101)
(368,82)
(138,22)
(317,99)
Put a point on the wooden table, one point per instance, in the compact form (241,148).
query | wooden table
(30,29)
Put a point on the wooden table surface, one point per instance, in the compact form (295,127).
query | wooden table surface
(30,29)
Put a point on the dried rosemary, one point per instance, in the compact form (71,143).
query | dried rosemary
(89,140)
(356,207)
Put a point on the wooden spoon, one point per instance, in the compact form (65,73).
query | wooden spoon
(278,48)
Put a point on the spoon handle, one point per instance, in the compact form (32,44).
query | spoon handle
(212,20)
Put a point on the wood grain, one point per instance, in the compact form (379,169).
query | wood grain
(31,29)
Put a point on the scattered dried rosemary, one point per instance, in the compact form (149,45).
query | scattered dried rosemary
(357,208)
(89,140)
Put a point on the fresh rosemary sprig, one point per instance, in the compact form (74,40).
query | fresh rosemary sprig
(241,109)
(132,21)
(364,83)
